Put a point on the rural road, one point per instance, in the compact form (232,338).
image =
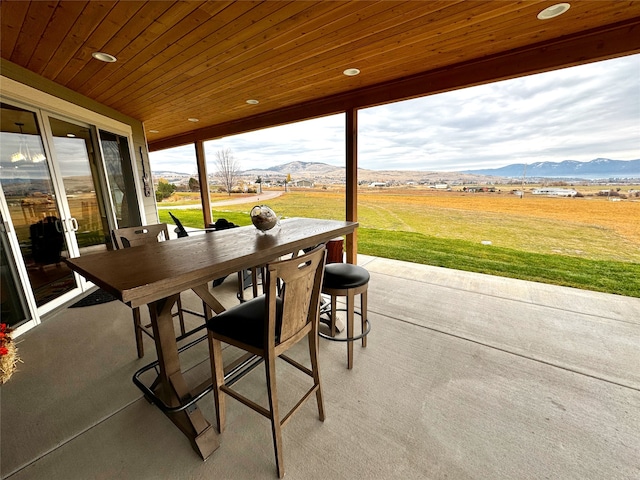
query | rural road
(232,201)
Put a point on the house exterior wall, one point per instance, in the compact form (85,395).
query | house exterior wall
(62,100)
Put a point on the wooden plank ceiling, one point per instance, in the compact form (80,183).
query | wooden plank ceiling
(204,60)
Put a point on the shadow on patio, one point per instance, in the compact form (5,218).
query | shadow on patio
(464,376)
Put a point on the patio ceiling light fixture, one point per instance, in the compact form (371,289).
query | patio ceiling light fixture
(194,120)
(351,72)
(553,11)
(104,57)
(252,101)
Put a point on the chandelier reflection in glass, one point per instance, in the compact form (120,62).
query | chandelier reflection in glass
(24,154)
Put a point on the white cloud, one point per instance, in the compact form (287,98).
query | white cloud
(319,140)
(579,113)
(179,159)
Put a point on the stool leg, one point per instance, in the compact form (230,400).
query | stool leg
(363,316)
(333,314)
(137,328)
(350,309)
(254,281)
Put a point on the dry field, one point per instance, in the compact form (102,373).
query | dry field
(588,227)
(621,218)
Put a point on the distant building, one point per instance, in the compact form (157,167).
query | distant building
(557,192)
(478,188)
(377,184)
(303,183)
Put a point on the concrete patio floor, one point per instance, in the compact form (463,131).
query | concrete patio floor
(465,376)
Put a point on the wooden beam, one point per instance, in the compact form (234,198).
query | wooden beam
(595,45)
(351,134)
(204,183)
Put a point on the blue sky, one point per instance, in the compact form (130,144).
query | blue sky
(580,113)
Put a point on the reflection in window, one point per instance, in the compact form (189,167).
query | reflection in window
(117,160)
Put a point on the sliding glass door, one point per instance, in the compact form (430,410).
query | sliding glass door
(74,153)
(64,185)
(32,204)
(119,170)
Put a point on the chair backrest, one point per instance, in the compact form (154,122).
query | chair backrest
(180,230)
(298,295)
(134,236)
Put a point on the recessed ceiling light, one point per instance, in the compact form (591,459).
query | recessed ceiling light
(193,120)
(104,57)
(71,135)
(252,102)
(553,11)
(351,72)
(154,131)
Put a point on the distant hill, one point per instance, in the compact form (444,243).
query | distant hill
(297,167)
(598,168)
(322,172)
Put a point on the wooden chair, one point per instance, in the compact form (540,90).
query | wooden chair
(267,326)
(136,236)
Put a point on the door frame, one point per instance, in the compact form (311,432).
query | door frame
(21,269)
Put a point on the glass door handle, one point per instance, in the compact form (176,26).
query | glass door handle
(59,226)
(74,224)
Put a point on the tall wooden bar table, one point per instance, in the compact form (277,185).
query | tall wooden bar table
(154,275)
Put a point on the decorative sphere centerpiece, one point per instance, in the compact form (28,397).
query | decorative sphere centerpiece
(263,218)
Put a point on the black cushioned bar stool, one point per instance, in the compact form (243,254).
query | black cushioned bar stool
(347,280)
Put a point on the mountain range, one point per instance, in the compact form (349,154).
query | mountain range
(324,173)
(600,168)
(595,169)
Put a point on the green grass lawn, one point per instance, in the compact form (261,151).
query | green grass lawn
(519,247)
(598,275)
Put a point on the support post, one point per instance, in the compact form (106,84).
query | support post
(351,134)
(203,181)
